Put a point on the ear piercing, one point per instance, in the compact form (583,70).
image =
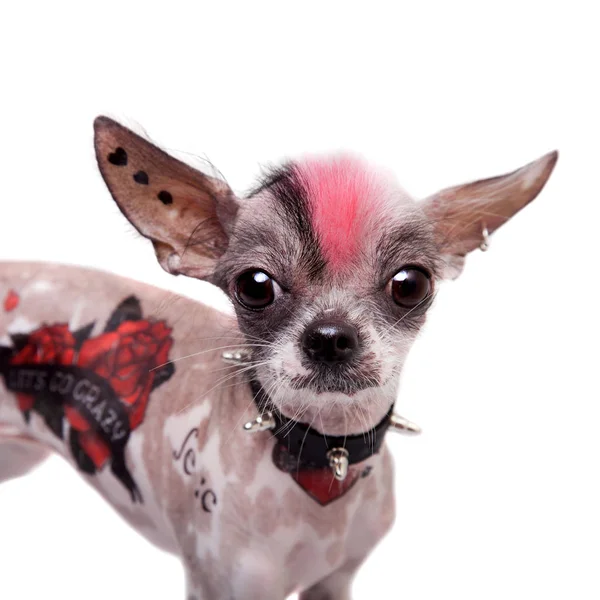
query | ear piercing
(485,243)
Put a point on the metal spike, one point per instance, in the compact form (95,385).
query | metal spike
(261,423)
(236,357)
(338,461)
(401,425)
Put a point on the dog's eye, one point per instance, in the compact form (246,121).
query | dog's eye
(410,286)
(255,289)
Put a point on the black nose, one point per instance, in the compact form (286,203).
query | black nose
(330,342)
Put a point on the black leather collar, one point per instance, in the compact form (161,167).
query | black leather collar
(308,446)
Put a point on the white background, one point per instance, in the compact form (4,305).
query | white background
(499,498)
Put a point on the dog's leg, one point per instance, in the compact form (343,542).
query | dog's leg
(18,456)
(260,591)
(247,577)
(373,521)
(336,586)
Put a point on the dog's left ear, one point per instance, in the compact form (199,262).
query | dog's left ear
(186,214)
(460,215)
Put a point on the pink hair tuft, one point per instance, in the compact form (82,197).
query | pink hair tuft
(343,194)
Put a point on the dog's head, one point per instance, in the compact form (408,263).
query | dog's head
(331,267)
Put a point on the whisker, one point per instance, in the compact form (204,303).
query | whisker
(221,381)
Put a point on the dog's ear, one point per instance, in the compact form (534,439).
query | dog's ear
(186,214)
(461,214)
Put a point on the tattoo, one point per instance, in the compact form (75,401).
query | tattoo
(187,455)
(74,379)
(189,460)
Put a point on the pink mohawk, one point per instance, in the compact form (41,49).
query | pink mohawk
(343,195)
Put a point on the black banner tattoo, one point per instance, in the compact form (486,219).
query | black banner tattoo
(80,388)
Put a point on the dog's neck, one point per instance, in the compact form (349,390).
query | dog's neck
(311,447)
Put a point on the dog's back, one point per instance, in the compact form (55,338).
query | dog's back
(85,361)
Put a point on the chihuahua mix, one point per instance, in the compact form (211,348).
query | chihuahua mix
(259,459)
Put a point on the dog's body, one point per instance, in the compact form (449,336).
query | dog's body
(331,269)
(210,491)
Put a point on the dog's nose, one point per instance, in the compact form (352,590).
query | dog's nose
(330,342)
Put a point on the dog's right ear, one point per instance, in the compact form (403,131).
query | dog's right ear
(186,214)
(461,215)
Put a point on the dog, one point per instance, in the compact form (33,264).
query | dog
(251,445)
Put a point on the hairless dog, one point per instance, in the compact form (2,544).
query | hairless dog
(251,445)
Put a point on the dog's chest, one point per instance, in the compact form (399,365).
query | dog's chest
(229,502)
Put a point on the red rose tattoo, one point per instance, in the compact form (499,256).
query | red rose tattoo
(53,344)
(127,358)
(99,385)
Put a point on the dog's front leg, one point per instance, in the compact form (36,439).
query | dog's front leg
(248,577)
(336,586)
(373,520)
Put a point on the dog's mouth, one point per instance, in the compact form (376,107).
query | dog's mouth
(342,379)
(338,382)
(330,395)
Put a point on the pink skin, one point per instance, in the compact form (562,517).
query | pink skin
(343,194)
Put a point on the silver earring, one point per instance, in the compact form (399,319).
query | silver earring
(485,243)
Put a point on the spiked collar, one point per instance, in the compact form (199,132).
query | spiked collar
(310,457)
(311,449)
